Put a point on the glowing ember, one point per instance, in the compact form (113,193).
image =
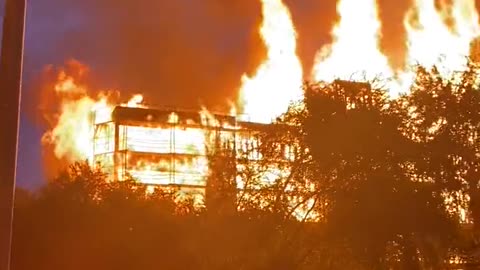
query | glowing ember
(278,80)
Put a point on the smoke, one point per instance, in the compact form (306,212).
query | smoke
(181,53)
(314,21)
(178,53)
(393,37)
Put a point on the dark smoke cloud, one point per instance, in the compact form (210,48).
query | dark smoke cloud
(314,21)
(184,52)
(178,53)
(181,53)
(392,41)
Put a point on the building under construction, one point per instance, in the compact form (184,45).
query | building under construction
(168,148)
(172,148)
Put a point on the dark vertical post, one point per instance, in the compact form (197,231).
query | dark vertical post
(10,84)
(116,153)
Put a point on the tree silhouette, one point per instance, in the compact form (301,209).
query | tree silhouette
(347,179)
(363,163)
(445,117)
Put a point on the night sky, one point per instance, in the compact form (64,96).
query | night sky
(179,53)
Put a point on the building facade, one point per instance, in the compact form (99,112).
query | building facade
(168,148)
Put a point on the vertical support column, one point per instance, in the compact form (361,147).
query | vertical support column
(173,151)
(235,152)
(93,116)
(116,151)
(10,85)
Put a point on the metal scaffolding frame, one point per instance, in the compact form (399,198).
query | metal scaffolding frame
(123,149)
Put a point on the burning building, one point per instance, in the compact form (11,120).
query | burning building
(172,148)
(174,151)
(156,147)
(169,148)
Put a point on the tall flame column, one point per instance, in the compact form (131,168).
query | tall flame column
(10,84)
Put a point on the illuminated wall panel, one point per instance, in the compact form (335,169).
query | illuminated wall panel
(190,141)
(145,139)
(151,177)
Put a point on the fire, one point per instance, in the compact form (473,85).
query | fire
(72,133)
(442,36)
(135,102)
(174,150)
(278,80)
(354,53)
(432,33)
(154,150)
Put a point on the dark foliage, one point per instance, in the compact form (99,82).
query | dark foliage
(375,173)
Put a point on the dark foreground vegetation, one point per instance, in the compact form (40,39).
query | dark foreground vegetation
(378,172)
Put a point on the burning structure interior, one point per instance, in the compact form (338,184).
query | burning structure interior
(168,148)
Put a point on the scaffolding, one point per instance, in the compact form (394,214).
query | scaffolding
(173,150)
(165,147)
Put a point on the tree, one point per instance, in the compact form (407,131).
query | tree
(362,166)
(445,117)
(79,220)
(221,187)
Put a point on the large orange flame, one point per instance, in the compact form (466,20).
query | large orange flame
(354,53)
(278,80)
(442,36)
(432,33)
(435,36)
(72,133)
